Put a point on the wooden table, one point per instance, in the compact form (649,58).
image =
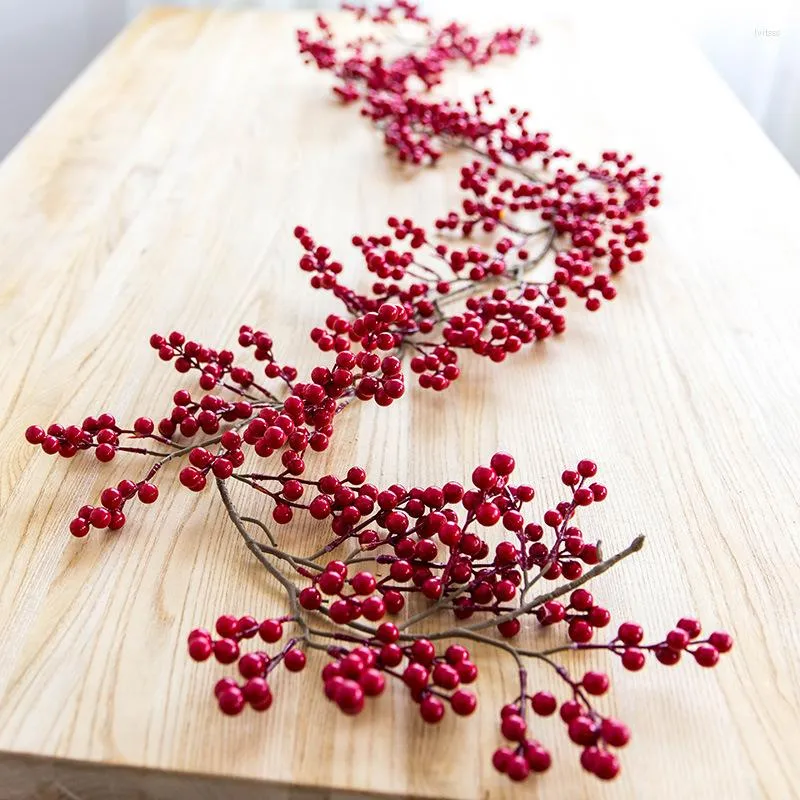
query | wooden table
(161,191)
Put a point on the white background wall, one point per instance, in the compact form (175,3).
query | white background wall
(44,44)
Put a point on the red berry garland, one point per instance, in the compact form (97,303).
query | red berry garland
(428,542)
(423,546)
(540,207)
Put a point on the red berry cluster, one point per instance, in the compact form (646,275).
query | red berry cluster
(587,217)
(351,598)
(269,426)
(254,667)
(220,465)
(591,234)
(684,637)
(261,342)
(352,677)
(388,86)
(430,541)
(189,417)
(109,514)
(99,433)
(525,755)
(432,680)
(214,366)
(596,734)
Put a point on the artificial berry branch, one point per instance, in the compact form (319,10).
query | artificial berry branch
(537,209)
(422,554)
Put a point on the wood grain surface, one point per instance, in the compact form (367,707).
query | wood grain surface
(161,192)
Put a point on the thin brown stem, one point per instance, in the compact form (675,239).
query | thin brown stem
(260,524)
(254,547)
(559,591)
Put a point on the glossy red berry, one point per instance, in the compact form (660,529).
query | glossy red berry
(341,612)
(391,655)
(583,497)
(226,651)
(349,697)
(553,518)
(222,684)
(432,588)
(394,601)
(630,633)
(513,727)
(706,655)
(570,477)
(633,659)
(691,626)
(595,683)
(231,701)
(282,514)
(583,730)
(581,600)
(678,639)
(251,665)
(463,703)
(320,507)
(373,608)
(294,660)
(148,493)
(257,692)
(309,598)
(501,758)
(100,518)
(431,709)
(330,582)
(227,626)
(467,671)
(192,479)
(111,498)
(544,703)
(538,758)
(363,583)
(484,478)
(510,628)
(35,435)
(722,641)
(456,653)
(423,651)
(271,630)
(105,452)
(606,765)
(517,768)
(200,648)
(667,656)
(614,732)
(416,676)
(372,682)
(598,617)
(388,632)
(502,463)
(79,527)
(580,631)
(247,627)
(570,710)
(445,676)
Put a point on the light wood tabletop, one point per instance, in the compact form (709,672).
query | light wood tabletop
(161,192)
